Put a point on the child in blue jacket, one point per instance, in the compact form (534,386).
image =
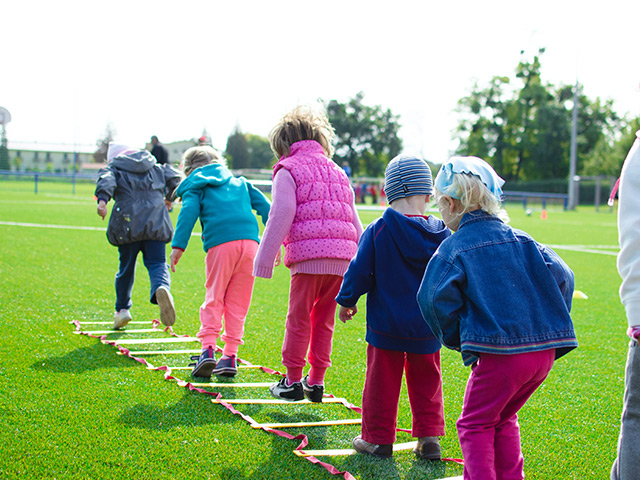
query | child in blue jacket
(501,299)
(392,256)
(224,205)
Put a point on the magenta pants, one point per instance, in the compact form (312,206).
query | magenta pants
(310,323)
(382,392)
(229,286)
(498,387)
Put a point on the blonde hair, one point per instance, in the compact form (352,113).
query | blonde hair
(302,123)
(199,156)
(469,190)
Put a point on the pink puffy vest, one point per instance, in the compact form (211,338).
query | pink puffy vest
(323,225)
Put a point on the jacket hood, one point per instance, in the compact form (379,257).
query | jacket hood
(213,174)
(139,161)
(410,233)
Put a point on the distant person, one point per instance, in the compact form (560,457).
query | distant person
(314,215)
(139,222)
(501,299)
(224,205)
(346,168)
(159,151)
(627,463)
(392,256)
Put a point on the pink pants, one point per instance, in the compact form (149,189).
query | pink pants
(229,285)
(498,387)
(382,392)
(310,323)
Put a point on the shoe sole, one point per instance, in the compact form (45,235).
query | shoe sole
(167,310)
(122,323)
(285,398)
(204,369)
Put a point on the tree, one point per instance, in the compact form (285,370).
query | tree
(260,153)
(100,155)
(237,150)
(525,132)
(366,137)
(4,151)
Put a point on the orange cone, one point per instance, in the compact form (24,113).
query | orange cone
(543,215)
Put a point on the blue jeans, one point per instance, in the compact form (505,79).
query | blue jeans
(154,256)
(627,463)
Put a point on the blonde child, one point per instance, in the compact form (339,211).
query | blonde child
(139,222)
(224,205)
(501,299)
(314,216)
(392,256)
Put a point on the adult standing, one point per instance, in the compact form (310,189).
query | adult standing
(627,463)
(159,151)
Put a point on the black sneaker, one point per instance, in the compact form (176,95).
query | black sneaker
(381,451)
(292,393)
(226,367)
(314,393)
(205,365)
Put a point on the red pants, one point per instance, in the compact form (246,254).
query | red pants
(229,287)
(382,393)
(499,385)
(310,323)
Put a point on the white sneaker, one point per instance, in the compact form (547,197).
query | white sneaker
(165,302)
(121,318)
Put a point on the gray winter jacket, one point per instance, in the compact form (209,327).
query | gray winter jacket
(138,186)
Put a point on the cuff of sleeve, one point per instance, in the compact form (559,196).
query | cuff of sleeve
(634,332)
(178,248)
(262,272)
(105,200)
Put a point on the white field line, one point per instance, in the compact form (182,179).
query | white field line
(597,249)
(64,227)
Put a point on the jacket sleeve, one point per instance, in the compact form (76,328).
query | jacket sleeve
(561,272)
(172,179)
(189,214)
(106,184)
(358,279)
(440,300)
(629,234)
(259,202)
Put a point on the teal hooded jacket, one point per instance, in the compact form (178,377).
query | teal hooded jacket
(223,203)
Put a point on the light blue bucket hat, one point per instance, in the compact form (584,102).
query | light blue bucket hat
(473,165)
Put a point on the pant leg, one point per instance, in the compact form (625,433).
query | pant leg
(297,331)
(627,463)
(219,267)
(424,385)
(154,255)
(126,274)
(238,295)
(323,320)
(381,393)
(498,387)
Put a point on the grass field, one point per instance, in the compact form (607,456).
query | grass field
(72,408)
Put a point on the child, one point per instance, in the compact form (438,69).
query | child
(502,300)
(314,215)
(139,222)
(224,205)
(392,256)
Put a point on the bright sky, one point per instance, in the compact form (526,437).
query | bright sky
(172,69)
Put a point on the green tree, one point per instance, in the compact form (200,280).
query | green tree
(366,137)
(237,150)
(260,153)
(100,155)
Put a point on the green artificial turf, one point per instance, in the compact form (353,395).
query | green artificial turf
(72,408)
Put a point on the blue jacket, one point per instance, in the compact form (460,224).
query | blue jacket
(223,203)
(138,186)
(392,255)
(490,288)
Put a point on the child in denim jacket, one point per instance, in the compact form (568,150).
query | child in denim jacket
(502,300)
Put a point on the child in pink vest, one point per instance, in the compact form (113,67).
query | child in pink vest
(313,214)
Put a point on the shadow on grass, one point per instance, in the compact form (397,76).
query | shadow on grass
(190,411)
(84,359)
(396,468)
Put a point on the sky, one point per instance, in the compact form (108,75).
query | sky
(69,69)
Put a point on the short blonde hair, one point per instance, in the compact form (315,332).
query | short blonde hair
(471,192)
(302,123)
(198,157)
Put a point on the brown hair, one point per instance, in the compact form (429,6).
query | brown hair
(199,156)
(302,123)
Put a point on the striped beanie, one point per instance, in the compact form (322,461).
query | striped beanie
(406,176)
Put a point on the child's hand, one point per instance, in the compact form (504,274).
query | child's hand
(102,209)
(176,253)
(347,313)
(168,204)
(278,257)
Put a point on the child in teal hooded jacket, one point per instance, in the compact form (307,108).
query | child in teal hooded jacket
(230,235)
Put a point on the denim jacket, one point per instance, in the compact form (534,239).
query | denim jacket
(490,288)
